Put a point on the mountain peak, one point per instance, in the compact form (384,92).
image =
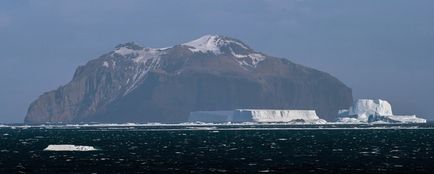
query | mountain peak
(216,44)
(129,45)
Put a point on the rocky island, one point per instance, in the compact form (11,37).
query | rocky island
(138,84)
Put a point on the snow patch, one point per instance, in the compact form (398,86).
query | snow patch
(254,57)
(213,44)
(205,44)
(69,147)
(139,56)
(105,64)
(146,60)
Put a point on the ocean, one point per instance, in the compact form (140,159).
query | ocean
(219,148)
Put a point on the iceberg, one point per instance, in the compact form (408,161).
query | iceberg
(69,147)
(257,116)
(396,119)
(263,115)
(374,111)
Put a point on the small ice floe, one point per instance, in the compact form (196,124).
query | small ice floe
(69,148)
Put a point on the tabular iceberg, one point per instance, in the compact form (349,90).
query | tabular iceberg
(69,148)
(374,111)
(257,115)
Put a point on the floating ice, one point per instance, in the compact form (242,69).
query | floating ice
(280,115)
(374,111)
(69,147)
(257,116)
(371,107)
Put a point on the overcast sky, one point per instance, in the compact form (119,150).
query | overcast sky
(381,49)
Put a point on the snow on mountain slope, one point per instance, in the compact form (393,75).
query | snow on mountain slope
(141,55)
(204,44)
(212,43)
(145,59)
(148,59)
(223,45)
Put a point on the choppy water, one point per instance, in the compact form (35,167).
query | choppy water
(220,149)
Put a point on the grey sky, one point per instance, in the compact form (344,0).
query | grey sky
(381,49)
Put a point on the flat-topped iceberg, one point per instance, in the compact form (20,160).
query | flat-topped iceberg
(374,111)
(69,147)
(263,115)
(257,116)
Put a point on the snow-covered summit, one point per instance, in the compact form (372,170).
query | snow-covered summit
(218,45)
(213,43)
(141,60)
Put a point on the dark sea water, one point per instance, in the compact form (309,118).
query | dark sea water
(220,149)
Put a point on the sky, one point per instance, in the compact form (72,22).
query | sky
(381,49)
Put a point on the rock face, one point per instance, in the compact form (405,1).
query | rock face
(136,84)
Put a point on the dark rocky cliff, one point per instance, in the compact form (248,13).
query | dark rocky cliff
(136,84)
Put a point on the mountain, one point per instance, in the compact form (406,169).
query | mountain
(137,84)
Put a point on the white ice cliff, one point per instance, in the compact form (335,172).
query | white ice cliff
(256,115)
(377,111)
(69,147)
